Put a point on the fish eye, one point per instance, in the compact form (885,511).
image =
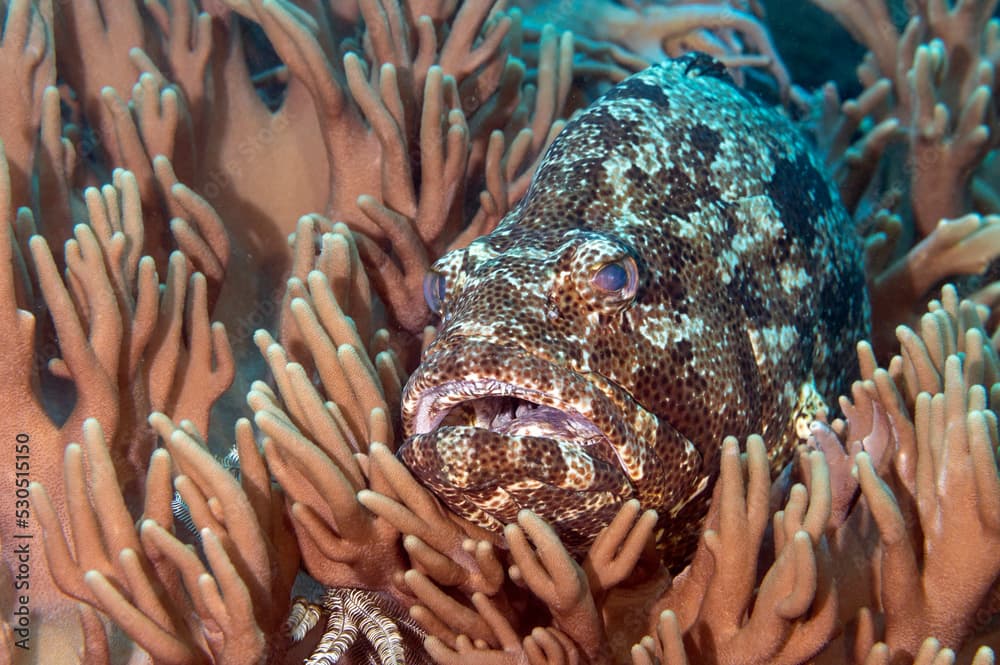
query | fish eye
(620,278)
(434,290)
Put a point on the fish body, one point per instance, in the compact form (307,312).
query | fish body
(679,270)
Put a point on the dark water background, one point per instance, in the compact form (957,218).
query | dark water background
(815,47)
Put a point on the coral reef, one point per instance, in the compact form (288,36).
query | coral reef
(916,145)
(213,204)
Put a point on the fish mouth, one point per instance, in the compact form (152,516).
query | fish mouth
(508,409)
(489,444)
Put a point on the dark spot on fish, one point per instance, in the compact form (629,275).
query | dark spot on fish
(702,64)
(673,287)
(745,290)
(639,89)
(706,142)
(730,222)
(681,195)
(839,300)
(800,195)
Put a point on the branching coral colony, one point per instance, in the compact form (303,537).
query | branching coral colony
(148,180)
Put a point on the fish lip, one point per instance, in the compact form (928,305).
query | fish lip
(431,394)
(434,404)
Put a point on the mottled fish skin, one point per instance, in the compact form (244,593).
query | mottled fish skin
(749,300)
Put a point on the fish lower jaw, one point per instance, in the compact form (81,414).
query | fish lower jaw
(487,477)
